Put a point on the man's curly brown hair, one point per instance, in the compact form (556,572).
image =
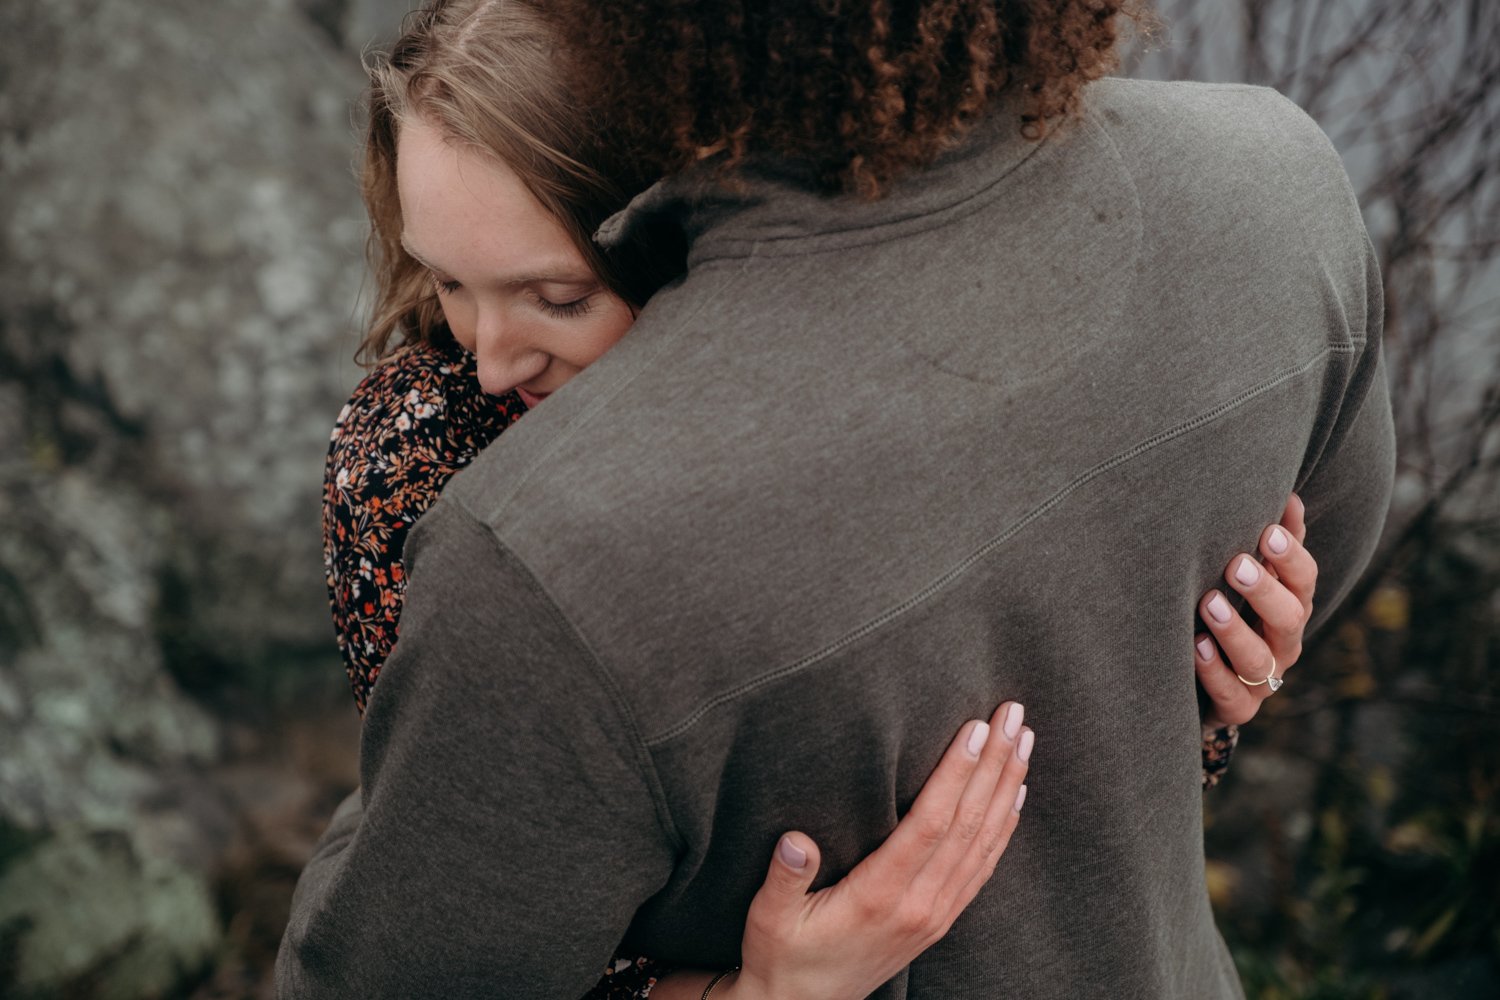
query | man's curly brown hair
(861,91)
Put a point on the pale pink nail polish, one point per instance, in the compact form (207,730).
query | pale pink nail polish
(1247,572)
(1276,541)
(1020,798)
(1023,749)
(1205,649)
(1218,608)
(1013,716)
(977,737)
(792,856)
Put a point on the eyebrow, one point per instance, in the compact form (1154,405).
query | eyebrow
(564,274)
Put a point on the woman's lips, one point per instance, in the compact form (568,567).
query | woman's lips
(530,398)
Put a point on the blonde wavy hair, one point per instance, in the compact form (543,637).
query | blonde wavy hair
(491,75)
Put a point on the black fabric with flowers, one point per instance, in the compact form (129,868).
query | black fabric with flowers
(1218,747)
(409,426)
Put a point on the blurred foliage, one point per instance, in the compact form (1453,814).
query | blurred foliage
(1396,878)
(1355,844)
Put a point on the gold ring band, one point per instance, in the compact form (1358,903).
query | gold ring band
(1271,678)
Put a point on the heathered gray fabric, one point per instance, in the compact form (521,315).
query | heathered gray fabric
(868,471)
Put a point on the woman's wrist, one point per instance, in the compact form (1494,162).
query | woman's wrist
(691,984)
(722,986)
(728,985)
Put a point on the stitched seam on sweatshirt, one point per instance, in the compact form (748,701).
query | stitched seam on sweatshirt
(881,620)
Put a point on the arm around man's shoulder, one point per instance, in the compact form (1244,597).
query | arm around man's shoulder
(509,823)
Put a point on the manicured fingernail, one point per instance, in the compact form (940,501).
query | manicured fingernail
(1276,541)
(1020,799)
(1023,748)
(1013,716)
(1247,572)
(1219,608)
(977,736)
(792,856)
(1205,649)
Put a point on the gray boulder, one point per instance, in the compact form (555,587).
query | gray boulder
(181,264)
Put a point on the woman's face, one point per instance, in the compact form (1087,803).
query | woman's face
(514,289)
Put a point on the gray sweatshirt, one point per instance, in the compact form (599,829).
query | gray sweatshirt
(868,470)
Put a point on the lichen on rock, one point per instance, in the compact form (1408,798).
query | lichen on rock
(182,237)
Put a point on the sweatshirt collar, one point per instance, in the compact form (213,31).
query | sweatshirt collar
(772,209)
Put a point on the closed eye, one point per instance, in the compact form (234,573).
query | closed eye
(565,310)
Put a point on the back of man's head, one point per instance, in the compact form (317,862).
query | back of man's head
(858,91)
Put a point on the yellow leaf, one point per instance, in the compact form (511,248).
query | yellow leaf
(1388,609)
(44,453)
(1332,826)
(1434,934)
(1381,786)
(1352,637)
(1410,837)
(1223,880)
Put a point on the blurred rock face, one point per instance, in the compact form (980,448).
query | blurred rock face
(181,241)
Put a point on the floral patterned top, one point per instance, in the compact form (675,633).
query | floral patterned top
(409,426)
(412,423)
(1218,747)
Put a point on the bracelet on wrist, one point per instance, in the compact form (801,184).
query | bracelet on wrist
(715,981)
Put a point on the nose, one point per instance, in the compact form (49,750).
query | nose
(504,355)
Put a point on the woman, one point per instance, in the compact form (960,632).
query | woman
(484,185)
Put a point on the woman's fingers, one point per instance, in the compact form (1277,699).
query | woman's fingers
(983,814)
(1281,613)
(1246,652)
(906,894)
(1294,566)
(1233,702)
(944,841)
(1294,518)
(969,890)
(794,863)
(1280,592)
(928,823)
(1000,824)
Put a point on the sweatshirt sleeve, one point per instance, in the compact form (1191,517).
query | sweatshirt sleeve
(509,822)
(1349,472)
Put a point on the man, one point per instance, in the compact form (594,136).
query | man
(971,431)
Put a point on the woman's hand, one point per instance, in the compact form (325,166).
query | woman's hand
(1280,591)
(846,940)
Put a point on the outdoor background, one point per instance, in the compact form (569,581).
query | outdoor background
(180,274)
